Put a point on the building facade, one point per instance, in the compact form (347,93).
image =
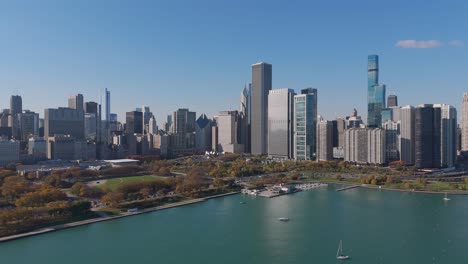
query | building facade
(281,123)
(305,124)
(464,123)
(65,121)
(324,140)
(261,85)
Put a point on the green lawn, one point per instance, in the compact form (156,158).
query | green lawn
(113,184)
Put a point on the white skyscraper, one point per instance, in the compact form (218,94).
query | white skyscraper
(407,138)
(280,123)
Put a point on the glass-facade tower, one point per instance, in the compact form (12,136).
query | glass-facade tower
(305,124)
(375,93)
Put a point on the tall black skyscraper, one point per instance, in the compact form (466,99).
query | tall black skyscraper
(16,105)
(427,136)
(91,108)
(134,123)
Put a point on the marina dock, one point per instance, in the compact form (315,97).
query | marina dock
(347,188)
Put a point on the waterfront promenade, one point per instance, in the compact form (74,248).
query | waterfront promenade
(108,218)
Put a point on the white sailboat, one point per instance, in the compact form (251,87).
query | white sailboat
(339,253)
(446,198)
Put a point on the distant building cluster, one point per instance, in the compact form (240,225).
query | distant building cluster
(279,123)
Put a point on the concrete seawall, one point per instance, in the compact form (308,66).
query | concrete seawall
(108,218)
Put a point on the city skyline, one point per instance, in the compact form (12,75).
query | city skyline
(139,68)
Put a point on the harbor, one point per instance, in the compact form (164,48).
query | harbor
(282,189)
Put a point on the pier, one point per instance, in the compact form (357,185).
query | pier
(347,188)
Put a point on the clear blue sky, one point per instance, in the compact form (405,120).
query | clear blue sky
(197,54)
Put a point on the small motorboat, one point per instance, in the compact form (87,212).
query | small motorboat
(283,219)
(446,198)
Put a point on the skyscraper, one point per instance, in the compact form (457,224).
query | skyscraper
(324,140)
(261,85)
(392,100)
(146,118)
(305,124)
(228,128)
(91,108)
(16,105)
(245,116)
(134,123)
(203,134)
(152,126)
(29,125)
(108,105)
(64,121)
(427,136)
(280,123)
(182,137)
(464,123)
(372,80)
(407,139)
(76,102)
(448,135)
(375,93)
(16,109)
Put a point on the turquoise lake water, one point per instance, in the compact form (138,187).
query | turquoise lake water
(375,226)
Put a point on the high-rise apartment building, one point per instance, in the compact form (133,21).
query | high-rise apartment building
(427,136)
(261,85)
(407,136)
(65,121)
(435,136)
(365,146)
(324,140)
(392,132)
(305,124)
(76,102)
(281,123)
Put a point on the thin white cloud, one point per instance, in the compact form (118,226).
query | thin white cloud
(418,44)
(456,43)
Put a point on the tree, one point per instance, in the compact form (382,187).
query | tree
(389,180)
(40,197)
(112,199)
(374,182)
(14,186)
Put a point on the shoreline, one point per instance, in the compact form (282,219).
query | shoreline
(109,218)
(368,186)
